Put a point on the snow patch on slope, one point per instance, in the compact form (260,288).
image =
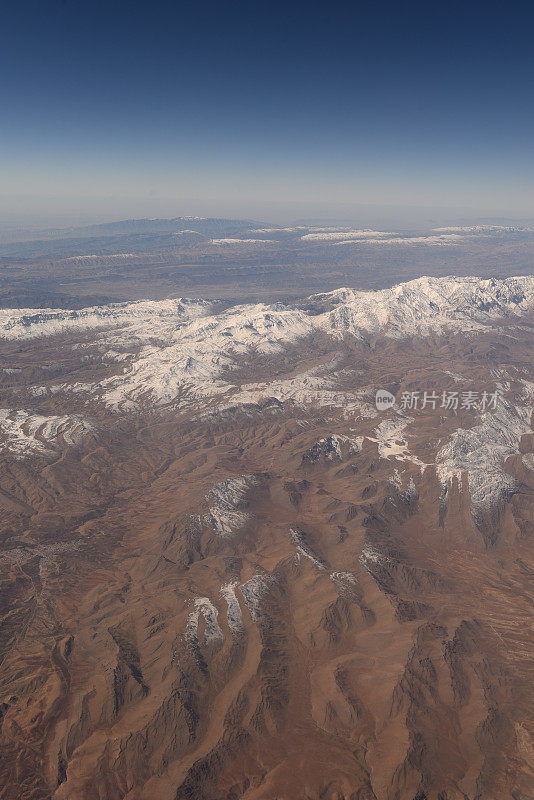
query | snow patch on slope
(330,447)
(142,320)
(425,305)
(391,440)
(370,556)
(25,433)
(483,229)
(336,235)
(311,388)
(303,549)
(253,592)
(431,241)
(212,631)
(345,582)
(481,451)
(227,499)
(233,614)
(241,241)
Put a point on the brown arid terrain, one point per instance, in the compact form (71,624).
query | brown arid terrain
(225,575)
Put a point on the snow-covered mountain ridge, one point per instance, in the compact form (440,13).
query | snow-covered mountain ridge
(196,356)
(418,305)
(186,345)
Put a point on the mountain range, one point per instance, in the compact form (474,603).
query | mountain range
(227,572)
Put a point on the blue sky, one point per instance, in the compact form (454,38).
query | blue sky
(131,109)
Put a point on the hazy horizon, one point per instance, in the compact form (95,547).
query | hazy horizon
(400,217)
